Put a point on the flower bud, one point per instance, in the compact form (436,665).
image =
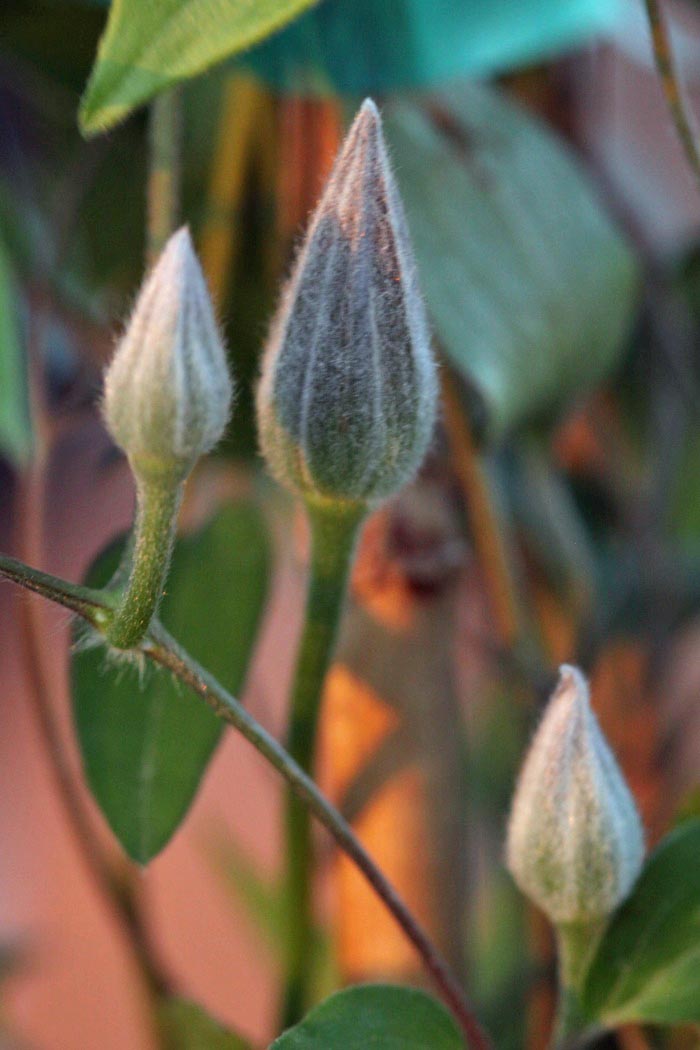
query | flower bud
(575,841)
(167,391)
(347,398)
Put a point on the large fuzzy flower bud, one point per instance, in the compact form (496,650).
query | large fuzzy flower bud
(347,399)
(575,841)
(167,391)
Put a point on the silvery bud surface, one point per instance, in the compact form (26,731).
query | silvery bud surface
(167,390)
(575,841)
(348,393)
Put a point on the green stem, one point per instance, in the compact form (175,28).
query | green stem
(92,605)
(157,504)
(576,943)
(164,176)
(333,536)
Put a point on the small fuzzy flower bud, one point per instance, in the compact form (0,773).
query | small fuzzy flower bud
(347,398)
(575,841)
(167,391)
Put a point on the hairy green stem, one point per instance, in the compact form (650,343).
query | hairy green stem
(165,164)
(678,107)
(157,504)
(92,605)
(333,536)
(162,649)
(576,943)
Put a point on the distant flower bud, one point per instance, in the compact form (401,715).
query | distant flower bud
(168,389)
(575,841)
(347,399)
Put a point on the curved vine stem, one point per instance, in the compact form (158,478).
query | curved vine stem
(677,104)
(162,649)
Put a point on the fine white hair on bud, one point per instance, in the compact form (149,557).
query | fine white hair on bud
(167,390)
(348,392)
(575,842)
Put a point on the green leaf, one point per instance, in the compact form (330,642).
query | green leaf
(147,47)
(530,286)
(145,740)
(381,1015)
(263,897)
(265,902)
(185,1026)
(361,46)
(15,426)
(647,967)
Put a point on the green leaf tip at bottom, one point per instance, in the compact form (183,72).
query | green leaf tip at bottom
(381,1015)
(186,1026)
(147,47)
(145,742)
(647,966)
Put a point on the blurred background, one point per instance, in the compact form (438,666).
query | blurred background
(556,226)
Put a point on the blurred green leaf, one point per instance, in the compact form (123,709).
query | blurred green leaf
(684,516)
(530,286)
(647,967)
(59,40)
(361,46)
(185,1026)
(689,806)
(147,47)
(553,526)
(262,897)
(53,183)
(144,739)
(381,1015)
(15,424)
(265,902)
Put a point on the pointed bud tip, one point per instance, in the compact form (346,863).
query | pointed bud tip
(575,842)
(168,389)
(181,239)
(572,686)
(369,112)
(178,253)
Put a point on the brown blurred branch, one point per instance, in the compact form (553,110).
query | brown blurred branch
(678,106)
(482,515)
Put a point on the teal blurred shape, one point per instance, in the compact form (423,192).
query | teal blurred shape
(365,46)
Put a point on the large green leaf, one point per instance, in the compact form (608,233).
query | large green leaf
(361,46)
(530,286)
(15,428)
(185,1026)
(145,740)
(381,1015)
(647,967)
(148,46)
